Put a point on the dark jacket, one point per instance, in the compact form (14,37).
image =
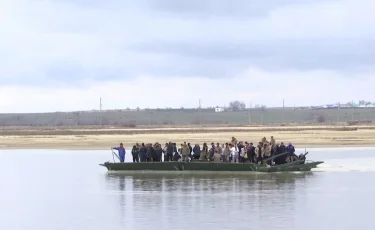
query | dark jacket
(251,151)
(158,152)
(143,151)
(135,151)
(282,159)
(151,152)
(281,149)
(170,149)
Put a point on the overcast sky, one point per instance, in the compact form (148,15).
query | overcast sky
(61,55)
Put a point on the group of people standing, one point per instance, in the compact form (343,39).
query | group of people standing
(241,152)
(233,151)
(142,152)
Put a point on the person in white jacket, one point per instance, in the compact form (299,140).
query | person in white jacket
(233,153)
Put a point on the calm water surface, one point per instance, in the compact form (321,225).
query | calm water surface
(58,190)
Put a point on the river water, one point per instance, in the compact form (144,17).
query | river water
(68,190)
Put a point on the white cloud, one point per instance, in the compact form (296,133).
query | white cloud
(327,19)
(38,34)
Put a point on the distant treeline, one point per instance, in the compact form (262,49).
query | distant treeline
(159,117)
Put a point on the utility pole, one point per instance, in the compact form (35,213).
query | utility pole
(101,115)
(200,112)
(249,113)
(352,110)
(76,118)
(338,113)
(149,115)
(283,112)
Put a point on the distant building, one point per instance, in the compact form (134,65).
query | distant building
(218,109)
(347,105)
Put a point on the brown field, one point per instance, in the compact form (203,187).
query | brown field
(104,138)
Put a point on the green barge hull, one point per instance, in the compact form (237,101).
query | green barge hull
(294,166)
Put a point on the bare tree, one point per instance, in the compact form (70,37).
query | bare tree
(260,107)
(263,108)
(237,105)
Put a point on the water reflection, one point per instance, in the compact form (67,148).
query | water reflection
(208,199)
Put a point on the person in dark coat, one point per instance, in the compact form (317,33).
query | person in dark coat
(281,150)
(150,152)
(143,153)
(170,149)
(276,153)
(251,153)
(135,154)
(158,151)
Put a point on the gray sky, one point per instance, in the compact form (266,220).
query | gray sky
(63,55)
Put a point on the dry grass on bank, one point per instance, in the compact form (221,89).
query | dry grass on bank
(95,138)
(19,131)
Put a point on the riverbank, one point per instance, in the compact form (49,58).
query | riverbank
(103,138)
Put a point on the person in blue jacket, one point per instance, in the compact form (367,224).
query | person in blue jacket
(121,152)
(291,151)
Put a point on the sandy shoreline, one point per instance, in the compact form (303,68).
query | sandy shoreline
(94,138)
